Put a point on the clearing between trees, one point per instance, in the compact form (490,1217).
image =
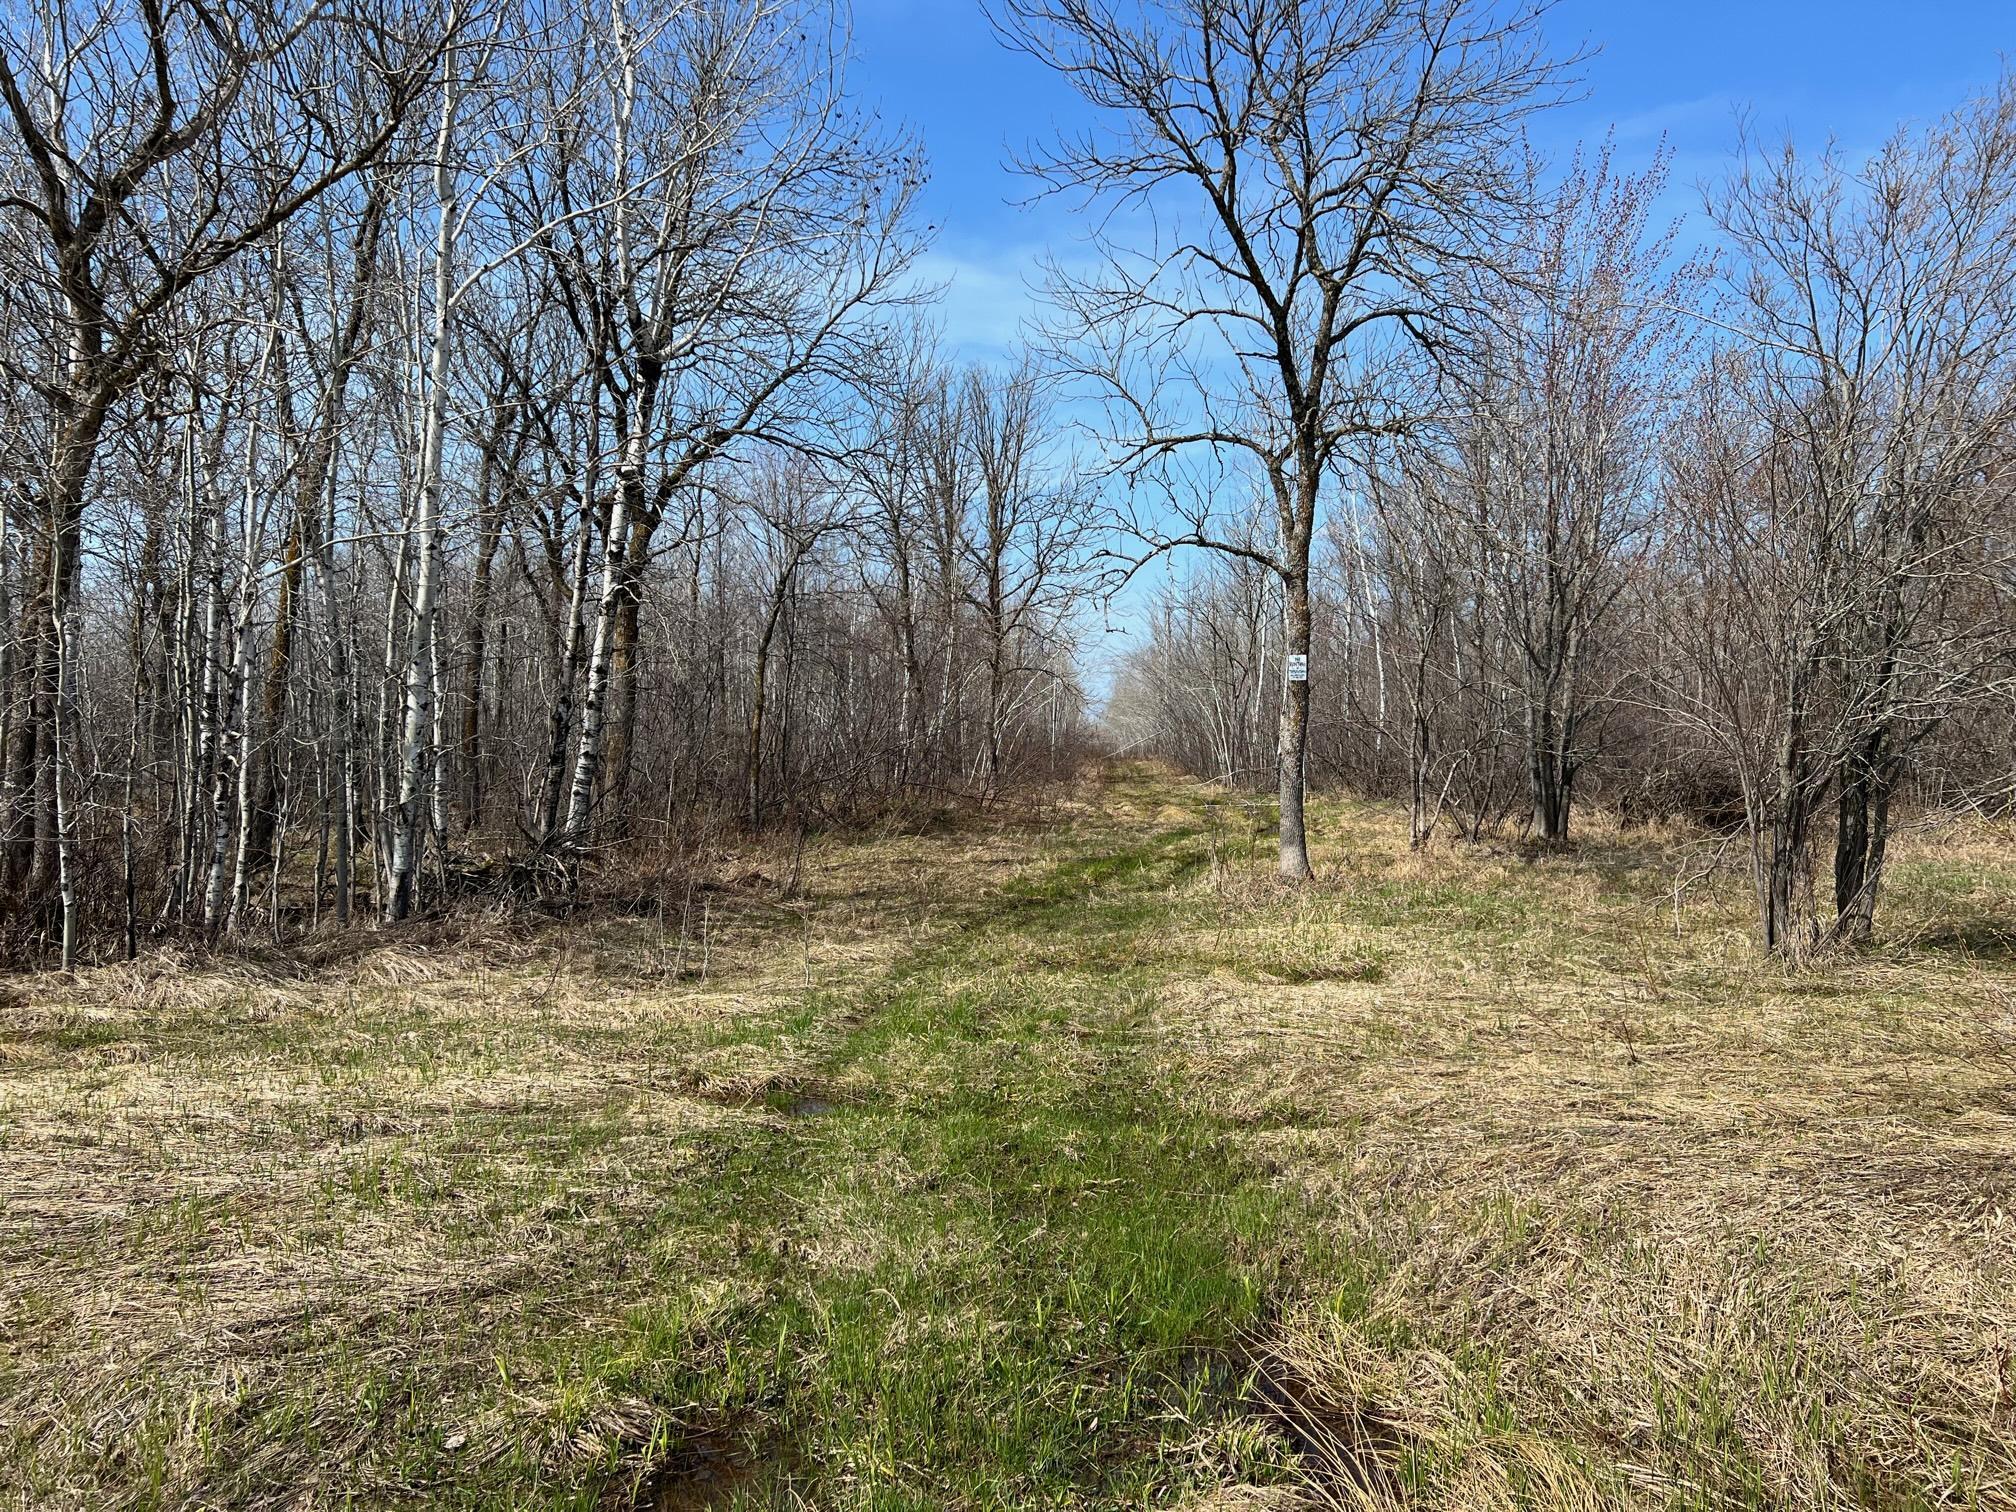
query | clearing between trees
(1061,1159)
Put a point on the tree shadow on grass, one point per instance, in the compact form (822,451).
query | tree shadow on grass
(1986,938)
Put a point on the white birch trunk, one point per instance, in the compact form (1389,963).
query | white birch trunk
(562,717)
(417,714)
(594,703)
(629,479)
(66,875)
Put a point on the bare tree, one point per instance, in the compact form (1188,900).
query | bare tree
(757,228)
(1321,178)
(1556,450)
(1844,480)
(1027,545)
(142,154)
(793,512)
(891,464)
(1422,565)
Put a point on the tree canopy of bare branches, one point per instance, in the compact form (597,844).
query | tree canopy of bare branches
(1324,179)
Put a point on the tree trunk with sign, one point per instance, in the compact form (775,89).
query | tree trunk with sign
(1350,165)
(1293,757)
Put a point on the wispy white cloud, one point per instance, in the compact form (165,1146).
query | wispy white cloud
(987,303)
(992,296)
(1678,120)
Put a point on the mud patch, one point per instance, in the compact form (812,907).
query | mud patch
(711,1465)
(788,1094)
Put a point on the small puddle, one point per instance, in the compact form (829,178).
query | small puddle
(807,1100)
(707,1477)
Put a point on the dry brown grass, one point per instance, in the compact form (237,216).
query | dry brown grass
(1601,1209)
(239,1194)
(1655,1221)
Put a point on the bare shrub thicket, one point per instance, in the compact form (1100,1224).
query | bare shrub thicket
(447,441)
(1728,538)
(453,445)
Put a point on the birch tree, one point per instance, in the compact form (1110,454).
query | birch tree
(142,152)
(756,229)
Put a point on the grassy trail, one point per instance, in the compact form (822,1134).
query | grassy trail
(1006,1266)
(1064,1162)
(888,1227)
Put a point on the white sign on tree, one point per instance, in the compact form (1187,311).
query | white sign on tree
(1298,668)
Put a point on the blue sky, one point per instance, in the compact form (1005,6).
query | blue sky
(1849,69)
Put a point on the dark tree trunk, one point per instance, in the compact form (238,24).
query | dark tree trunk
(273,689)
(1551,779)
(912,734)
(1868,778)
(621,740)
(1789,926)
(31,841)
(475,646)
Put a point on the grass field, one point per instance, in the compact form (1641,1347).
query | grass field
(1058,1160)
